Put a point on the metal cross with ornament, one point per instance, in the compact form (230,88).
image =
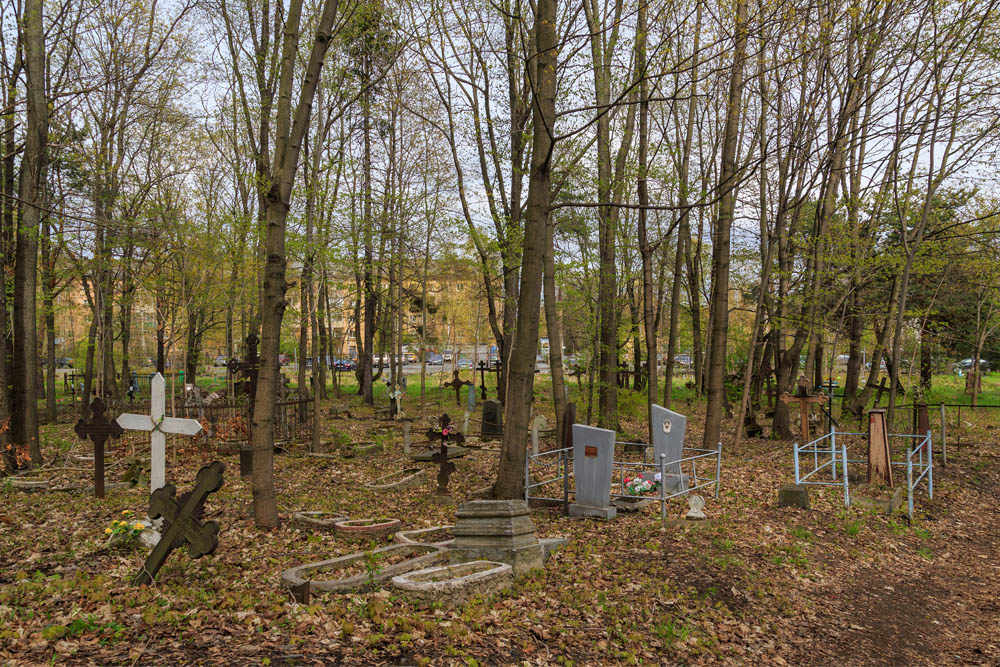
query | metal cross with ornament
(445,433)
(183,518)
(457,383)
(98,430)
(158,425)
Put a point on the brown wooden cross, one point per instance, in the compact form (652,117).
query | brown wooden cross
(98,430)
(445,434)
(483,370)
(803,398)
(182,518)
(457,383)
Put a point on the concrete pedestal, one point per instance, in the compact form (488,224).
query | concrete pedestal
(496,530)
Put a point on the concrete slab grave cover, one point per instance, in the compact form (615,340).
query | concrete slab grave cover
(593,455)
(418,556)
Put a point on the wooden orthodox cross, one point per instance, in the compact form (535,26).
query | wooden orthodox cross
(457,383)
(98,430)
(483,369)
(803,398)
(182,517)
(158,425)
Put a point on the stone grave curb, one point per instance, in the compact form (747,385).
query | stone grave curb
(297,576)
(374,527)
(312,519)
(411,536)
(463,581)
(890,505)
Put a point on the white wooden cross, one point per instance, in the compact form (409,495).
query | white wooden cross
(159,425)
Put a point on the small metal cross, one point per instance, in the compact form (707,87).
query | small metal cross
(98,430)
(457,383)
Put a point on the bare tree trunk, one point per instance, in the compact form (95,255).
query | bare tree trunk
(25,426)
(720,250)
(521,380)
(555,332)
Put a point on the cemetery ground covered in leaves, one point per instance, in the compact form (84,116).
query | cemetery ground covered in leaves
(756,584)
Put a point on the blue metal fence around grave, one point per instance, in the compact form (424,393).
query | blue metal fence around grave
(827,455)
(556,462)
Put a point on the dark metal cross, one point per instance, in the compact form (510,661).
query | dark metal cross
(181,516)
(483,370)
(445,434)
(98,430)
(457,383)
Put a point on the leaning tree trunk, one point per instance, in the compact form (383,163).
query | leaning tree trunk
(288,142)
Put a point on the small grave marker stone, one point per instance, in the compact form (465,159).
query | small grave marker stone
(492,418)
(696,509)
(879,469)
(183,518)
(98,430)
(593,454)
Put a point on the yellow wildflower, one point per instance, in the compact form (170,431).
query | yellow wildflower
(138,526)
(107,531)
(126,512)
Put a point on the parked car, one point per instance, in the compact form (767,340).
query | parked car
(345,364)
(465,363)
(446,355)
(966,364)
(220,360)
(435,359)
(683,359)
(284,359)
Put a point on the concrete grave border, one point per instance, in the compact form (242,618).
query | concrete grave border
(454,584)
(410,477)
(428,555)
(367,527)
(313,519)
(27,484)
(413,536)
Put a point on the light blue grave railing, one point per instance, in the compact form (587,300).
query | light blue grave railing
(663,465)
(545,461)
(825,453)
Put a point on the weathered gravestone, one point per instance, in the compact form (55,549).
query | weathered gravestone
(182,518)
(98,430)
(158,424)
(593,454)
(492,419)
(669,428)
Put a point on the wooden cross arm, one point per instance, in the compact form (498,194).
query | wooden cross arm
(162,503)
(788,398)
(174,425)
(203,539)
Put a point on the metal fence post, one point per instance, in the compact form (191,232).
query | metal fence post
(718,470)
(930,467)
(795,448)
(944,436)
(527,476)
(565,458)
(663,488)
(833,454)
(909,486)
(847,490)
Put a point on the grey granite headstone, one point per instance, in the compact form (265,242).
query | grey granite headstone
(593,455)
(492,418)
(668,438)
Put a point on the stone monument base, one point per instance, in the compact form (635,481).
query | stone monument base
(496,530)
(597,512)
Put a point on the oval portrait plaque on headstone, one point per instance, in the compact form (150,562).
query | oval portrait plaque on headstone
(666,426)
